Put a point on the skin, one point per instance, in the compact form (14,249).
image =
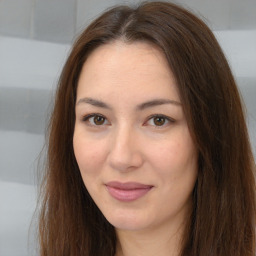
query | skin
(126,144)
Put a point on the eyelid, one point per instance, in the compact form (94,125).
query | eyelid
(86,118)
(169,119)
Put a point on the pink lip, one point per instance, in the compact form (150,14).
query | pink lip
(127,192)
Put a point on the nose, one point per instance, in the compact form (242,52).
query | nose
(124,150)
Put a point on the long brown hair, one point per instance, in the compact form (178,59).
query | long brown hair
(222,222)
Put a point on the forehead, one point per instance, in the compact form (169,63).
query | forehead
(119,67)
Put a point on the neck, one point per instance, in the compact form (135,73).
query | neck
(161,241)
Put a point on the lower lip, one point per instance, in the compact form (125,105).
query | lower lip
(127,195)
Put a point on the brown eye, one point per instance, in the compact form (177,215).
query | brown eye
(95,120)
(98,120)
(159,121)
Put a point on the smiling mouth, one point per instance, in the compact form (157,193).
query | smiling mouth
(127,192)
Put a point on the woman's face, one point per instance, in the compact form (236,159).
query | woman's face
(131,139)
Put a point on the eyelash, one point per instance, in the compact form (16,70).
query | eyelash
(87,117)
(166,120)
(93,115)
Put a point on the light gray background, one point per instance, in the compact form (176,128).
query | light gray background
(35,38)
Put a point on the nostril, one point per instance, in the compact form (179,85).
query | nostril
(125,160)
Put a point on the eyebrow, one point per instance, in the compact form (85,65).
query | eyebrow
(142,106)
(156,102)
(94,102)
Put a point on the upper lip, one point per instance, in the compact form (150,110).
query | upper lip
(127,185)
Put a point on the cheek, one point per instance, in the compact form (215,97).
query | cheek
(89,155)
(175,158)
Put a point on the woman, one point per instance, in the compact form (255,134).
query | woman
(148,149)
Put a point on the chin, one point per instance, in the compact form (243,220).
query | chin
(128,221)
(131,226)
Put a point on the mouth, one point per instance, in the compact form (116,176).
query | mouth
(127,192)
